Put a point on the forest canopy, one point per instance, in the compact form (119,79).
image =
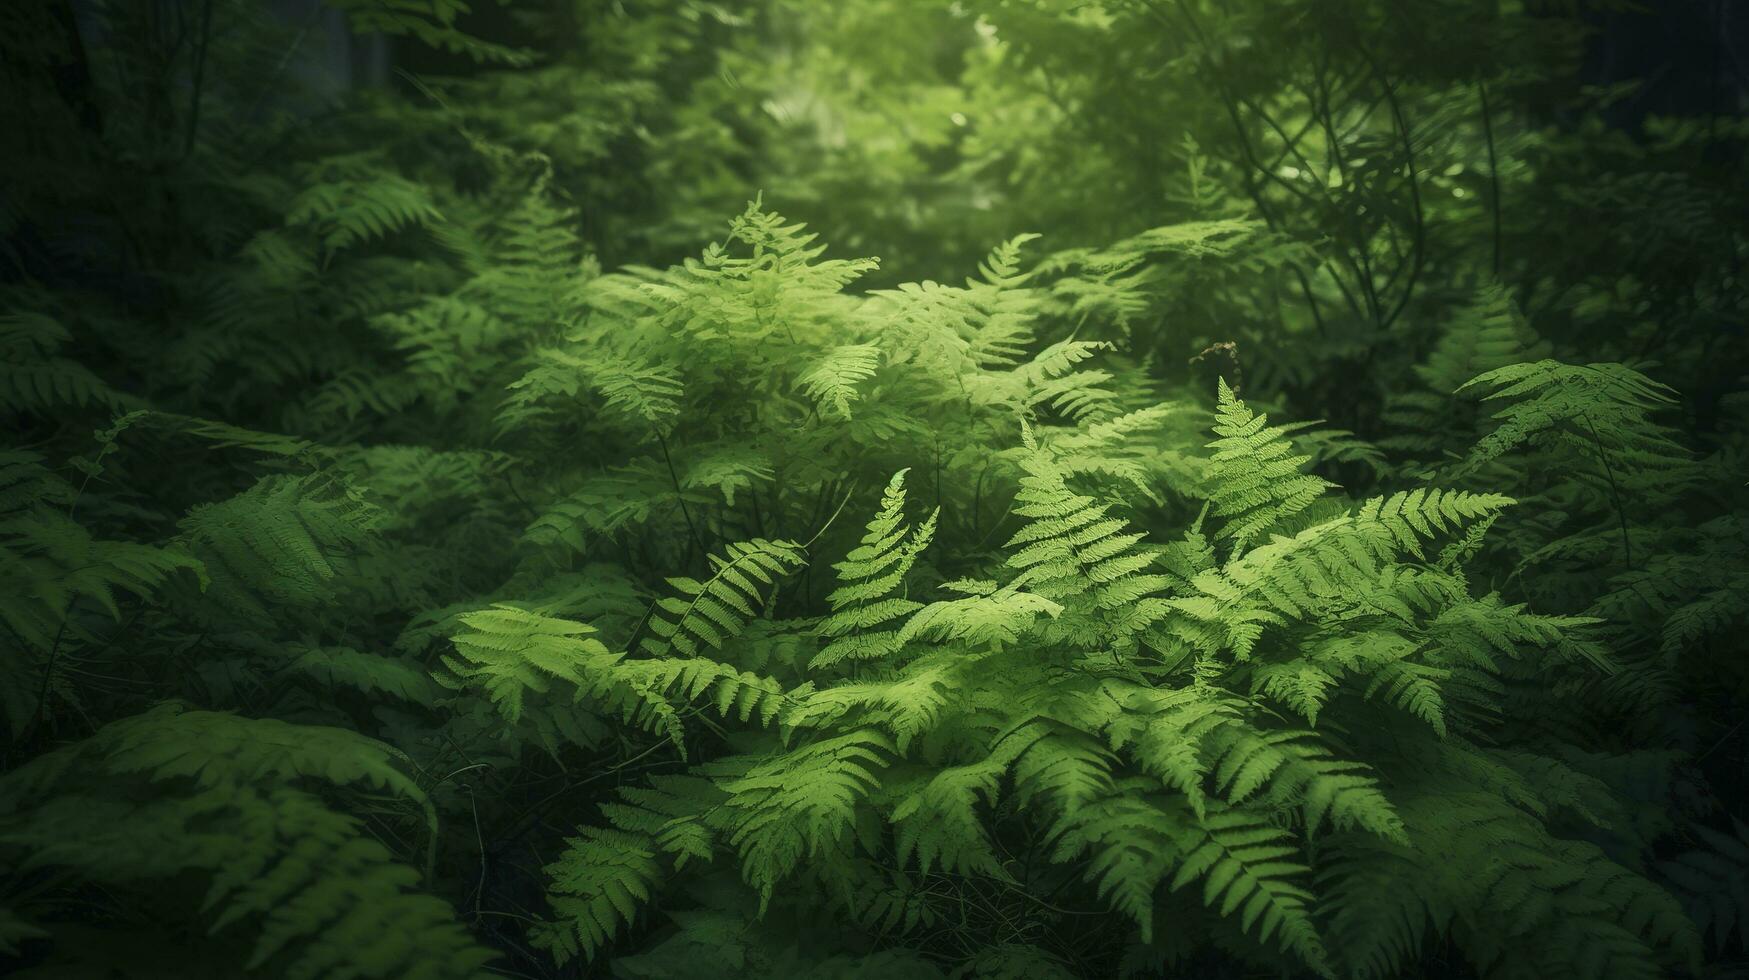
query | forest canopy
(892,488)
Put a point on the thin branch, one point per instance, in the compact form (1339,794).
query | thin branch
(1493,171)
(1420,246)
(1621,513)
(680,495)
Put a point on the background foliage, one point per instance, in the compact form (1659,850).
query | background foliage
(447,530)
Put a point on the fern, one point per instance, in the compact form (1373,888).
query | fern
(37,379)
(1486,334)
(910,704)
(1560,904)
(597,885)
(287,542)
(727,469)
(832,382)
(987,617)
(710,611)
(326,895)
(413,591)
(512,654)
(1239,859)
(870,574)
(1135,842)
(432,24)
(1710,883)
(797,805)
(1578,403)
(606,505)
(52,569)
(938,821)
(366,673)
(648,395)
(1256,483)
(345,211)
(1075,554)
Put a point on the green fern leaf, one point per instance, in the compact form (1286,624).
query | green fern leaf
(596,886)
(1255,483)
(832,381)
(704,614)
(868,577)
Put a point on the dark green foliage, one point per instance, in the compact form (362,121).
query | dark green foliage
(422,554)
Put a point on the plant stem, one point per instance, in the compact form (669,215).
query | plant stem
(1621,514)
(685,512)
(1493,171)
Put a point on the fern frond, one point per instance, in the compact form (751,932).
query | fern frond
(868,577)
(1505,889)
(511,653)
(800,804)
(1001,267)
(327,898)
(358,911)
(1411,515)
(596,886)
(1292,769)
(212,748)
(727,469)
(988,617)
(53,571)
(1137,837)
(36,380)
(1255,483)
(1380,920)
(1583,405)
(649,395)
(1713,884)
(672,810)
(1245,864)
(345,212)
(832,380)
(1706,615)
(53,561)
(1071,551)
(909,705)
(368,673)
(1066,767)
(432,24)
(1051,378)
(937,821)
(286,543)
(1487,334)
(606,504)
(739,694)
(173,790)
(711,611)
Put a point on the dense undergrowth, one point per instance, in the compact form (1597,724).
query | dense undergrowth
(1309,541)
